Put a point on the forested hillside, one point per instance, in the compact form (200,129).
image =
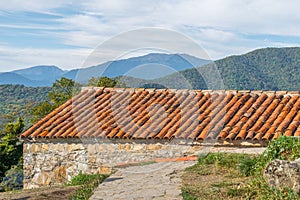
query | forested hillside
(267,69)
(262,69)
(17,101)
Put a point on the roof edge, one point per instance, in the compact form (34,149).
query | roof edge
(268,92)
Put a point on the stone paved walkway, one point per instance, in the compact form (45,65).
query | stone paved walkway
(153,181)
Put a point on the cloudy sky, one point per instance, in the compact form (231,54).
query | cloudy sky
(65,32)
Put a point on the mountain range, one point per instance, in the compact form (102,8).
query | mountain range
(151,66)
(261,69)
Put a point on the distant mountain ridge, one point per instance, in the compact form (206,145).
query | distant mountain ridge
(41,72)
(261,69)
(14,79)
(151,66)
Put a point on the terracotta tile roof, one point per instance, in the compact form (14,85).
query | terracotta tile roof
(164,114)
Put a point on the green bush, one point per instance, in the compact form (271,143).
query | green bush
(82,179)
(284,148)
(13,179)
(11,149)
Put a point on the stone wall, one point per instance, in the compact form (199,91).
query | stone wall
(54,162)
(283,174)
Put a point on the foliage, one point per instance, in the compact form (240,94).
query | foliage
(88,182)
(13,179)
(10,146)
(62,90)
(102,82)
(82,179)
(284,148)
(17,101)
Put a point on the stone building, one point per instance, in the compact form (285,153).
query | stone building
(104,127)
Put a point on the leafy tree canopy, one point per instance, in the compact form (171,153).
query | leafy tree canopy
(62,90)
(102,82)
(10,146)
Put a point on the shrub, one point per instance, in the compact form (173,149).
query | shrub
(13,179)
(284,148)
(88,182)
(82,179)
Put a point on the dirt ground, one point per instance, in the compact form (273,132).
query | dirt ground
(54,193)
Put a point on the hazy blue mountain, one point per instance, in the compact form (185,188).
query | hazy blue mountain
(150,66)
(261,69)
(41,73)
(16,79)
(13,78)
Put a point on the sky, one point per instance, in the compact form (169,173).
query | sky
(65,32)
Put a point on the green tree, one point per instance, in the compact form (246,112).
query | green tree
(102,82)
(61,91)
(11,148)
(120,82)
(93,81)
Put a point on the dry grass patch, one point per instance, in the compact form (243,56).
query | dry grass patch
(215,177)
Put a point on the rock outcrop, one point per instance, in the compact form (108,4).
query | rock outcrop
(283,174)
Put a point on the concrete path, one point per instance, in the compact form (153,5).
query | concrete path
(153,181)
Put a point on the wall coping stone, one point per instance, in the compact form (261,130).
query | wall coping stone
(219,143)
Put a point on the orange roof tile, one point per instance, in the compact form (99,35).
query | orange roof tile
(165,114)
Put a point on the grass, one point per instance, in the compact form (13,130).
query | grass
(215,176)
(88,182)
(238,176)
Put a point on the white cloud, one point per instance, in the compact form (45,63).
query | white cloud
(30,26)
(224,19)
(18,58)
(137,42)
(32,5)
(222,27)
